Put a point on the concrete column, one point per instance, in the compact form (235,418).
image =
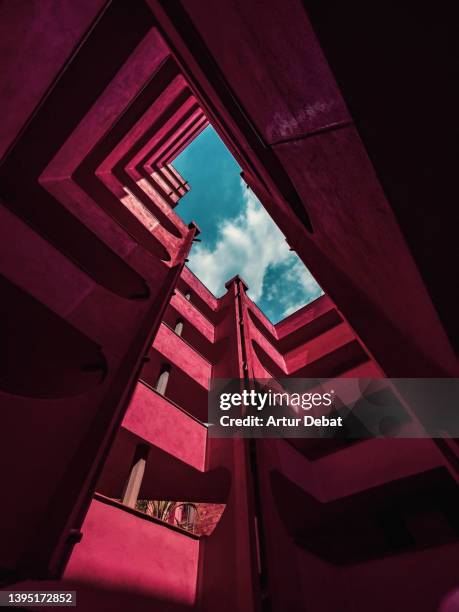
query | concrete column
(179,327)
(163,379)
(131,492)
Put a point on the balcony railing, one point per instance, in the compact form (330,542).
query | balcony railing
(193,519)
(199,518)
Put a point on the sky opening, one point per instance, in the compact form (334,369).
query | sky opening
(238,236)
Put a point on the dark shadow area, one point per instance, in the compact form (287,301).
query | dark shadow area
(42,355)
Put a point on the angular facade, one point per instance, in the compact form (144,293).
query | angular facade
(111,343)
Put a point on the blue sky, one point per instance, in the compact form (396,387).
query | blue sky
(238,236)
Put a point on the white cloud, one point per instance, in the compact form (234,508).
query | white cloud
(293,308)
(248,245)
(295,288)
(299,276)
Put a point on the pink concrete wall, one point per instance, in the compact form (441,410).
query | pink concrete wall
(193,316)
(383,584)
(36,40)
(156,420)
(72,259)
(123,552)
(180,354)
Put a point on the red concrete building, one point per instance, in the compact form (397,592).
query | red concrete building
(110,342)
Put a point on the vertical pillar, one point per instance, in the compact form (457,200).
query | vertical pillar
(131,492)
(163,379)
(178,327)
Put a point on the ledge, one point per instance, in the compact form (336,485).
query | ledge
(194,349)
(116,504)
(172,403)
(179,292)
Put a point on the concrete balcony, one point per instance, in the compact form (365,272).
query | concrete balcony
(191,313)
(318,347)
(163,424)
(125,555)
(183,356)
